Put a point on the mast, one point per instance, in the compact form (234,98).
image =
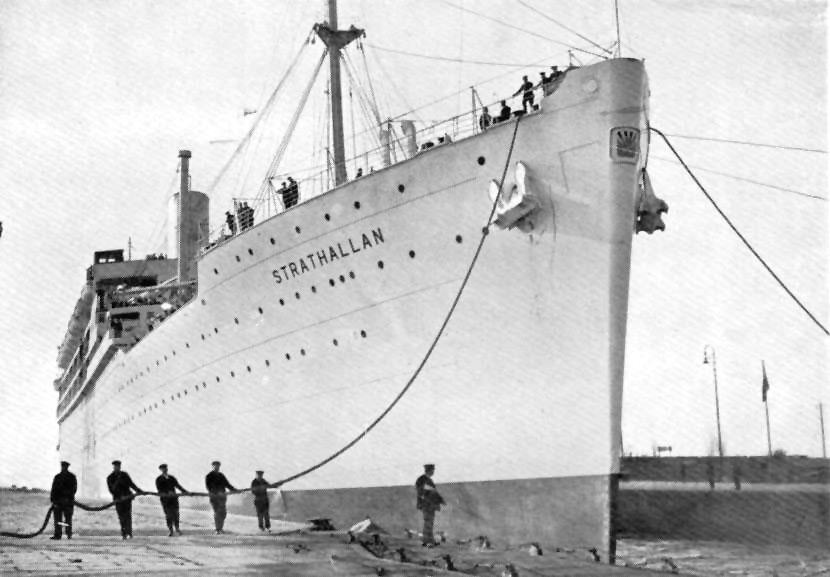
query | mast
(334,40)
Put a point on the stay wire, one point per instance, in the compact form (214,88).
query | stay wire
(448,59)
(514,27)
(571,30)
(484,232)
(749,180)
(737,232)
(748,143)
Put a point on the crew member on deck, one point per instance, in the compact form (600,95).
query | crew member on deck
(166,486)
(485,120)
(526,90)
(216,484)
(504,113)
(259,488)
(429,501)
(291,195)
(64,487)
(231,222)
(119,484)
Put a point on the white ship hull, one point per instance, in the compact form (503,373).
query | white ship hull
(519,406)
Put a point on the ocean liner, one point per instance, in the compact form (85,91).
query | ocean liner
(276,345)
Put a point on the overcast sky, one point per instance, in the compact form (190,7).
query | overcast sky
(97,97)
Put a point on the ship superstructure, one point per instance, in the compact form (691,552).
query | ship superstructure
(296,333)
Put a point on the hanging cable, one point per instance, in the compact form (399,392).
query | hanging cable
(484,232)
(743,179)
(737,232)
(571,30)
(747,143)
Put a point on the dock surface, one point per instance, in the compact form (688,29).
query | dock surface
(293,550)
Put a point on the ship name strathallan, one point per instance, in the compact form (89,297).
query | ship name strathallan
(325,255)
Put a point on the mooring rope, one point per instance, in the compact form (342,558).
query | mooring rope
(484,233)
(754,252)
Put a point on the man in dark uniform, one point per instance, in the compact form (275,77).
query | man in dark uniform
(166,486)
(216,484)
(231,222)
(429,501)
(526,90)
(119,484)
(64,487)
(259,488)
(504,113)
(291,195)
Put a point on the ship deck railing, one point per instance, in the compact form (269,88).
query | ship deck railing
(315,181)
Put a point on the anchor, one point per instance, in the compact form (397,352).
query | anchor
(517,204)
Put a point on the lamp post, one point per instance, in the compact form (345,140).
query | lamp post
(706,350)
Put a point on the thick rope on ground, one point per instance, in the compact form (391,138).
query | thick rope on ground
(29,535)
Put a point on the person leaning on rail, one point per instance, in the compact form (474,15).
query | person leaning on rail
(166,486)
(120,485)
(64,487)
(216,484)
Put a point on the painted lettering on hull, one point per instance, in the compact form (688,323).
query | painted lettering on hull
(321,257)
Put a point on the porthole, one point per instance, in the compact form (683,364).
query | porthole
(203,336)
(363,334)
(157,363)
(331,281)
(238,259)
(411,254)
(327,216)
(267,363)
(165,357)
(357,205)
(282,302)
(215,271)
(334,342)
(313,289)
(401,188)
(187,345)
(302,352)
(342,278)
(203,302)
(204,385)
(251,252)
(249,368)
(287,357)
(218,379)
(185,391)
(351,274)
(380,264)
(297,295)
(216,330)
(235,320)
(233,374)
(273,241)
(458,238)
(297,228)
(260,310)
(481,160)
(174,353)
